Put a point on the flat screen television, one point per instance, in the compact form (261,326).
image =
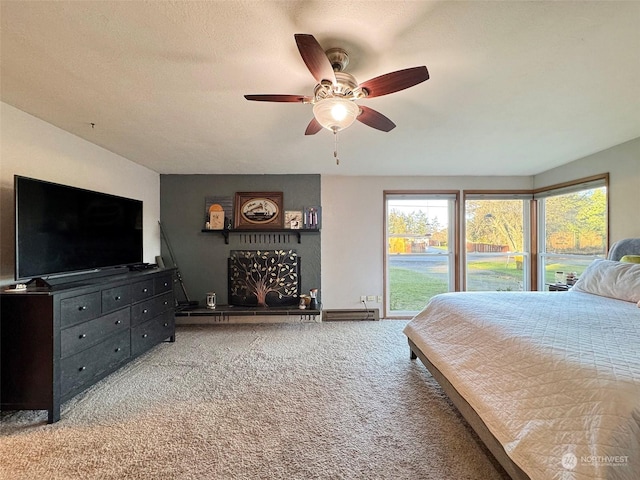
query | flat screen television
(62,229)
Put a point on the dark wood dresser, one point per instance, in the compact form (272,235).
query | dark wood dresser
(57,342)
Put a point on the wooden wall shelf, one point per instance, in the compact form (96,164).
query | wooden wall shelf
(273,231)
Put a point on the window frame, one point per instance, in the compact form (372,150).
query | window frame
(537,244)
(585,183)
(528,214)
(453,235)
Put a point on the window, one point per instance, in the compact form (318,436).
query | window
(497,242)
(572,228)
(420,254)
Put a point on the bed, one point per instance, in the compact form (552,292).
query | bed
(550,381)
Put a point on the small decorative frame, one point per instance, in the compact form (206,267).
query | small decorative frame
(293,219)
(226,202)
(258,210)
(312,217)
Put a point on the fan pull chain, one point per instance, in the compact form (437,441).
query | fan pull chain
(335,148)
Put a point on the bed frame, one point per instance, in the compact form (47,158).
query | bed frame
(472,418)
(623,247)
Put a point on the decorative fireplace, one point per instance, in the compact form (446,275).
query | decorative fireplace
(264,278)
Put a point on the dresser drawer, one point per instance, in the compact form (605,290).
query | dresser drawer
(143,311)
(148,334)
(164,302)
(82,336)
(162,284)
(115,298)
(83,367)
(79,309)
(142,290)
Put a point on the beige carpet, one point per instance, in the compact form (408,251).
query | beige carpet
(289,401)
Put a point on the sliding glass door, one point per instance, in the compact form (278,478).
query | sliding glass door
(419,259)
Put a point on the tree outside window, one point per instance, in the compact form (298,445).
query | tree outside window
(495,244)
(574,232)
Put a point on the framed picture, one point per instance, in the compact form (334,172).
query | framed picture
(293,219)
(258,210)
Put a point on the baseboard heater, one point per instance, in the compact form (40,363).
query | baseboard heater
(349,315)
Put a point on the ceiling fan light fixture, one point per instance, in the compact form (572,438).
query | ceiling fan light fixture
(335,113)
(336,91)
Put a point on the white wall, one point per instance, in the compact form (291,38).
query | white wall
(352,229)
(623,164)
(34,148)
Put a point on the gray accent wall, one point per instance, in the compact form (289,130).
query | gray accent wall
(202,256)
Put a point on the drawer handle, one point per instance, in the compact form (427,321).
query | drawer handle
(145,311)
(81,369)
(166,284)
(166,303)
(82,307)
(117,298)
(82,335)
(145,290)
(118,322)
(117,349)
(145,335)
(166,324)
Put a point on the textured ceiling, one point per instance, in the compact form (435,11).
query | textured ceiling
(516,88)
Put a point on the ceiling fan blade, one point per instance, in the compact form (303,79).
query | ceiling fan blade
(313,127)
(375,119)
(315,58)
(278,98)
(395,81)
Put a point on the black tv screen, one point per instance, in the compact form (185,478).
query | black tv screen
(62,229)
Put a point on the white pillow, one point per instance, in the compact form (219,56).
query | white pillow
(608,278)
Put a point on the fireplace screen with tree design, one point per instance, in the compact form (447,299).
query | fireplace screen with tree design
(264,278)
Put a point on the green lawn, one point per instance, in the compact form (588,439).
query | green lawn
(499,268)
(505,271)
(552,268)
(411,290)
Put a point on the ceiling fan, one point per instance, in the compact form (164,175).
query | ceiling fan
(334,96)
